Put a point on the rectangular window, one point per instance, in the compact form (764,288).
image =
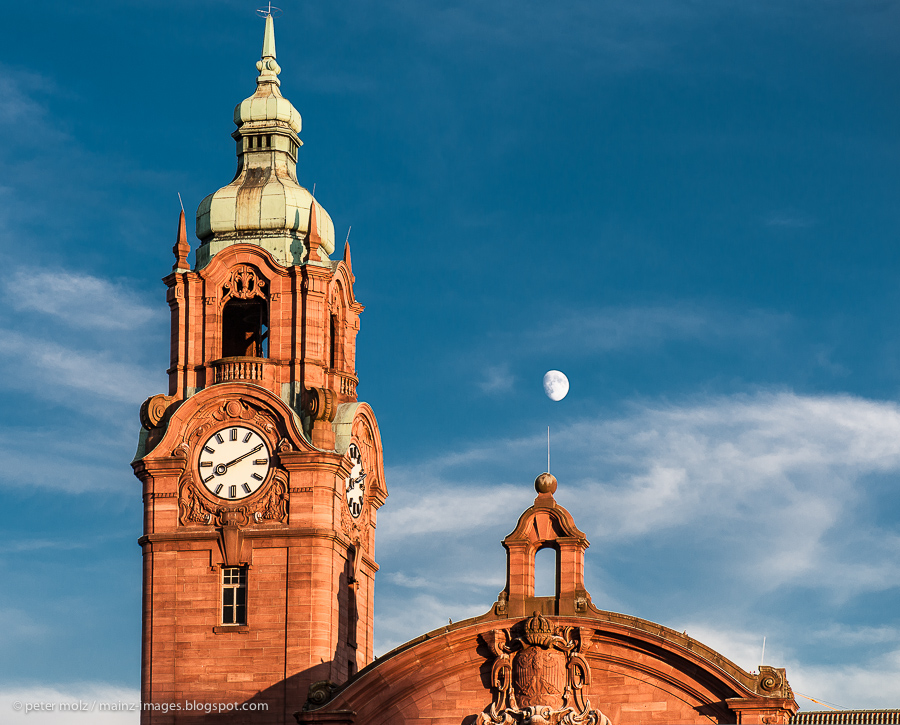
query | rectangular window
(234,595)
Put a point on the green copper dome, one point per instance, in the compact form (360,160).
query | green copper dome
(265,204)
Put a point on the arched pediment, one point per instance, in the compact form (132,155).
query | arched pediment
(545,522)
(219,268)
(633,671)
(231,401)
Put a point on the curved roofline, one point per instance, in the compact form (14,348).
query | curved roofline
(692,650)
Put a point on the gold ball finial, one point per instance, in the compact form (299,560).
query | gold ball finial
(545,483)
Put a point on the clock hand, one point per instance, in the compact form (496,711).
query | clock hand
(222,467)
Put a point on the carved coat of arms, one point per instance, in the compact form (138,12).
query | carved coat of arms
(539,677)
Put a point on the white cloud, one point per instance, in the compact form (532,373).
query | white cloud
(75,704)
(61,373)
(79,300)
(49,460)
(758,507)
(419,614)
(76,338)
(420,511)
(780,468)
(871,682)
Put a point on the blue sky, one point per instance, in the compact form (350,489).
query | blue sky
(691,208)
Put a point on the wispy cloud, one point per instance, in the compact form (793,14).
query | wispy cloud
(420,613)
(497,379)
(871,682)
(789,220)
(80,300)
(76,347)
(641,327)
(67,336)
(47,369)
(44,459)
(19,104)
(434,512)
(21,626)
(773,491)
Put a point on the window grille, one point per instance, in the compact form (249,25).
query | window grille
(234,595)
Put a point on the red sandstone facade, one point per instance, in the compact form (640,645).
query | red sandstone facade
(307,561)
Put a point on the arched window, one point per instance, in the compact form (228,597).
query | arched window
(245,328)
(546,572)
(332,357)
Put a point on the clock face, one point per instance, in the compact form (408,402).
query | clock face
(356,482)
(234,462)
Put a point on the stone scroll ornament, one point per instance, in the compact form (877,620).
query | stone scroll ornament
(244,283)
(538,677)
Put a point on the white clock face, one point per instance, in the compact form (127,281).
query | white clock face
(234,462)
(356,482)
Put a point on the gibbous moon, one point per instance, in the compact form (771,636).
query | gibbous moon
(556,385)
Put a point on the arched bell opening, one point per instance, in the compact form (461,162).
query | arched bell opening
(546,571)
(245,328)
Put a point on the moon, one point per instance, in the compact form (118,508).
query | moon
(556,385)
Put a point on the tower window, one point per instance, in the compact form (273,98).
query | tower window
(332,358)
(245,329)
(234,595)
(546,567)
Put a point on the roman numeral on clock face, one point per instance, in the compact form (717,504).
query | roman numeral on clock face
(247,437)
(246,487)
(220,438)
(218,488)
(257,477)
(208,449)
(232,491)
(260,461)
(205,464)
(234,434)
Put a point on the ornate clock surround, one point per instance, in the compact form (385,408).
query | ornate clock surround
(268,504)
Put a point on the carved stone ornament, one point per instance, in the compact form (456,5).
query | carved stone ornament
(273,507)
(773,682)
(346,522)
(354,529)
(192,507)
(538,676)
(154,409)
(319,693)
(195,509)
(229,410)
(320,403)
(244,283)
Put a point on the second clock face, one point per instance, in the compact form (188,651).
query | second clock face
(234,462)
(355,482)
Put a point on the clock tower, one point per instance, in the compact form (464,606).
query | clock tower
(261,472)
